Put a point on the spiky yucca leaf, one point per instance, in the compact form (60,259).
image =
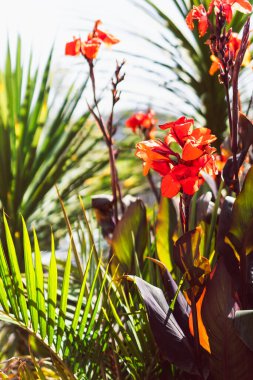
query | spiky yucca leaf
(41,304)
(40,143)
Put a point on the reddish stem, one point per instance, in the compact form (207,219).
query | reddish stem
(109,143)
(153,187)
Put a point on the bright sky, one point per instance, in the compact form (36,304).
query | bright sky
(42,23)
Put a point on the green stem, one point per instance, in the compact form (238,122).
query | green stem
(213,221)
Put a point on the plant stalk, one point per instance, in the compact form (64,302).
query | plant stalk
(109,143)
(153,187)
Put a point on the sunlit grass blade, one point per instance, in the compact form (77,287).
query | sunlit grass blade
(76,255)
(88,305)
(8,283)
(79,304)
(52,294)
(3,297)
(40,288)
(63,302)
(30,278)
(98,299)
(17,279)
(124,350)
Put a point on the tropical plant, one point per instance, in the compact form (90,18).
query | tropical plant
(78,323)
(40,143)
(183,61)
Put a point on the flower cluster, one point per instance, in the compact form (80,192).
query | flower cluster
(89,48)
(223,8)
(180,158)
(145,122)
(224,45)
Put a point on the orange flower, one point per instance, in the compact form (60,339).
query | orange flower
(90,47)
(216,65)
(192,141)
(226,7)
(183,178)
(198,13)
(106,37)
(73,47)
(179,129)
(181,158)
(221,159)
(156,155)
(144,121)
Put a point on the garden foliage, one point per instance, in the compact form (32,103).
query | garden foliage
(161,291)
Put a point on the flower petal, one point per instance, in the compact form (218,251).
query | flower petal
(243,6)
(73,47)
(190,185)
(191,152)
(170,186)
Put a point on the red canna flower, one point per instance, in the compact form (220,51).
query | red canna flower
(73,47)
(106,37)
(156,155)
(181,178)
(226,7)
(146,122)
(198,13)
(179,129)
(181,158)
(90,48)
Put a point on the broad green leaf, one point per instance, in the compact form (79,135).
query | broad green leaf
(130,236)
(242,216)
(165,227)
